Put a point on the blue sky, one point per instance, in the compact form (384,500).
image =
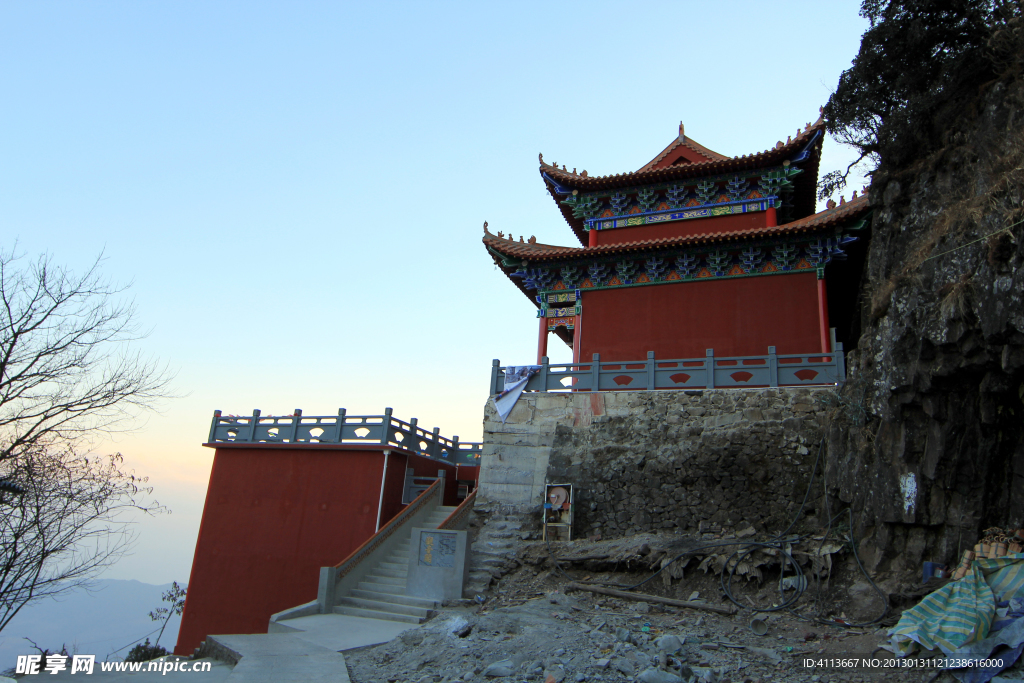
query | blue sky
(295,190)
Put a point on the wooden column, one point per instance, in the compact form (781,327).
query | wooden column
(823,313)
(592,238)
(576,334)
(542,339)
(771,218)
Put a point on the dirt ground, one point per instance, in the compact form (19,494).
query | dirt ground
(532,626)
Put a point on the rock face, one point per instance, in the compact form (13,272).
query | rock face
(928,445)
(660,460)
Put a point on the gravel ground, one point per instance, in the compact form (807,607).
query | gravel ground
(583,637)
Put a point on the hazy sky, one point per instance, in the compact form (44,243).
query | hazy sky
(296,190)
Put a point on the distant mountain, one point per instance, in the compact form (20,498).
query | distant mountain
(96,622)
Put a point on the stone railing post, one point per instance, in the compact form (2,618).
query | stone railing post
(544,373)
(213,426)
(650,371)
(252,425)
(840,363)
(773,368)
(296,418)
(341,423)
(387,426)
(415,445)
(709,363)
(435,443)
(494,376)
(595,373)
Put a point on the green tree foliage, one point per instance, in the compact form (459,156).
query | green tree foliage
(175,597)
(921,64)
(143,652)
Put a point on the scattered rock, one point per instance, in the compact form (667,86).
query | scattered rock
(656,676)
(622,635)
(623,665)
(865,603)
(669,644)
(556,675)
(500,668)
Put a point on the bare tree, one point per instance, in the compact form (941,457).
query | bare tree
(70,523)
(66,364)
(68,372)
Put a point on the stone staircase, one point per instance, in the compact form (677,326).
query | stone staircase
(381,594)
(492,553)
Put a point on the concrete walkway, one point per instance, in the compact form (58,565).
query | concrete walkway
(271,657)
(303,649)
(340,632)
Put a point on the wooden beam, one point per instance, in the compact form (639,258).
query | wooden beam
(643,597)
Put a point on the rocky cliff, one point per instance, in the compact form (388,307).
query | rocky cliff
(927,444)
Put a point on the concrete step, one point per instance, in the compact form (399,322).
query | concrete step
(391,588)
(375,614)
(397,558)
(499,535)
(391,607)
(393,573)
(486,562)
(402,567)
(374,577)
(480,576)
(395,598)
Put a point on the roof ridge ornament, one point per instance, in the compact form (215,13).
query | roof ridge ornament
(485,228)
(682,132)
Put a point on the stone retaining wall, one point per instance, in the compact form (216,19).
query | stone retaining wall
(643,461)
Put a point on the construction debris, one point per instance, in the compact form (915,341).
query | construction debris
(643,597)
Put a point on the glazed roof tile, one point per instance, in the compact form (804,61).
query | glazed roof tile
(534,251)
(716,164)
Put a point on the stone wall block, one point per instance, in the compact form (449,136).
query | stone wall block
(660,460)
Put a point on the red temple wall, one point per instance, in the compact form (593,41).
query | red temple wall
(272,518)
(735,317)
(695,226)
(395,482)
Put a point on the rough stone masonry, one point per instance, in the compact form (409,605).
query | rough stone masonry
(668,460)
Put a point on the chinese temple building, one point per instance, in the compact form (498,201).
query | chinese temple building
(695,251)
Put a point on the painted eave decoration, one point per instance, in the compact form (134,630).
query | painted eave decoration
(686,160)
(805,244)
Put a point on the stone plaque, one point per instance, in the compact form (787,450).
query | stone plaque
(437,549)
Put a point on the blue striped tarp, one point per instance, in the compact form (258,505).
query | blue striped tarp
(962,611)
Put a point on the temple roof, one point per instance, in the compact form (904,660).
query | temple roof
(534,251)
(682,150)
(684,158)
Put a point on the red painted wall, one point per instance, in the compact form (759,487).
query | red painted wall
(394,483)
(735,317)
(695,226)
(394,486)
(425,467)
(273,517)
